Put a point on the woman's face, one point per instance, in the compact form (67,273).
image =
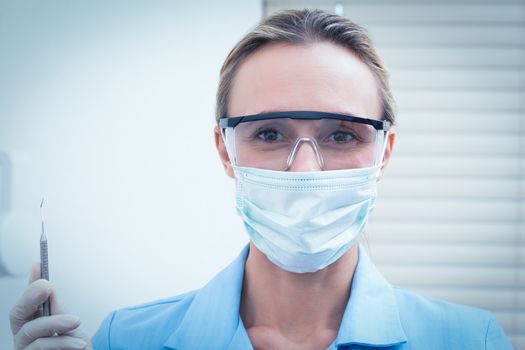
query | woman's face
(318,76)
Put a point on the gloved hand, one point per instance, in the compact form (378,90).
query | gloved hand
(31,331)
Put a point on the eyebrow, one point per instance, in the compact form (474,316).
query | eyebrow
(338,111)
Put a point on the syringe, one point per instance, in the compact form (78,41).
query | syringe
(44,264)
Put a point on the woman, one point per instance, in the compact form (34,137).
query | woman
(305,126)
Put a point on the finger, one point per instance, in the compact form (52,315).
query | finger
(78,333)
(35,272)
(57,343)
(45,327)
(28,304)
(55,306)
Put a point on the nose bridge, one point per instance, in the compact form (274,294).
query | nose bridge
(305,155)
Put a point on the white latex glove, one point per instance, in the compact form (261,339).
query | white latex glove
(31,331)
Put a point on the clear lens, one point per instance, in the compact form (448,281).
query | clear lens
(275,144)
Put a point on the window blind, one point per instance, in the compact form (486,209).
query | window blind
(450,219)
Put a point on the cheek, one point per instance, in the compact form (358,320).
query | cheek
(361,161)
(255,160)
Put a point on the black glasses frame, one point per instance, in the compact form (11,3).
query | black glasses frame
(228,122)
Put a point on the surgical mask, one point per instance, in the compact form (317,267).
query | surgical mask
(305,221)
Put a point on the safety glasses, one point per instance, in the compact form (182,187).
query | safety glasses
(276,140)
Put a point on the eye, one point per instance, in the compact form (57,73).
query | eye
(341,137)
(268,135)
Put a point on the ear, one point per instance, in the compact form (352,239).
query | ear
(223,154)
(388,152)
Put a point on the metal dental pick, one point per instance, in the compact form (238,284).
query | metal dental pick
(44,264)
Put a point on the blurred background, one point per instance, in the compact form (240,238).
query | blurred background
(107,110)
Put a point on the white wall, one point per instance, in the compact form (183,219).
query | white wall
(107,109)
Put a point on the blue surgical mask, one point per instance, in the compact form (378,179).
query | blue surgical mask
(305,221)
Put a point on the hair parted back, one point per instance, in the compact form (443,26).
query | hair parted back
(303,27)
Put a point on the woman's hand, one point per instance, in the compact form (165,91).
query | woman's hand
(32,331)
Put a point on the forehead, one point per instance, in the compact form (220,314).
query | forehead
(315,76)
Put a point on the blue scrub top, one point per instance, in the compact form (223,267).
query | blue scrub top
(377,316)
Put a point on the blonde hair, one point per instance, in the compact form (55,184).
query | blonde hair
(303,27)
